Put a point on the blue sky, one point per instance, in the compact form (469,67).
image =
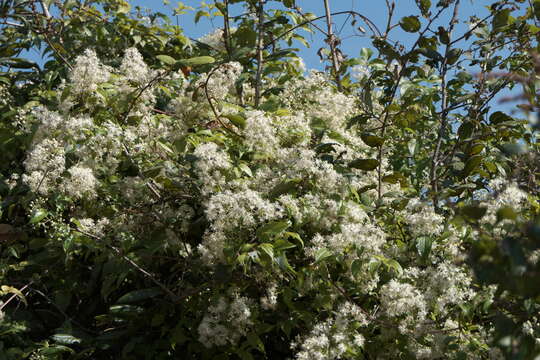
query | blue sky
(375,10)
(351,41)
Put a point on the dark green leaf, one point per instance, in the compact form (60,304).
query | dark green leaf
(465,130)
(424,6)
(372,139)
(364,164)
(356,267)
(410,23)
(38,215)
(139,295)
(423,245)
(499,117)
(500,19)
(514,149)
(472,163)
(268,231)
(506,212)
(474,212)
(284,188)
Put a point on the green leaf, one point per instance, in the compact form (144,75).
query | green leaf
(372,140)
(123,7)
(55,350)
(500,19)
(285,187)
(472,163)
(267,249)
(536,9)
(245,169)
(139,295)
(423,245)
(283,263)
(474,212)
(411,145)
(475,149)
(424,6)
(268,231)
(282,244)
(356,268)
(65,339)
(453,56)
(506,212)
(243,354)
(364,164)
(166,59)
(255,341)
(443,35)
(198,60)
(465,130)
(393,178)
(410,24)
(499,117)
(322,254)
(295,236)
(38,215)
(238,120)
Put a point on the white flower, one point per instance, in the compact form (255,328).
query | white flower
(259,132)
(134,68)
(82,183)
(44,165)
(216,39)
(87,73)
(226,321)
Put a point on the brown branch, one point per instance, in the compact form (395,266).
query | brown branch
(209,99)
(332,41)
(260,48)
(444,113)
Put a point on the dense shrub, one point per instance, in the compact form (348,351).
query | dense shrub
(151,210)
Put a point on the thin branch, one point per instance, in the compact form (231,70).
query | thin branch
(10,299)
(386,110)
(444,112)
(45,9)
(131,105)
(370,24)
(260,48)
(226,28)
(209,99)
(391,7)
(332,41)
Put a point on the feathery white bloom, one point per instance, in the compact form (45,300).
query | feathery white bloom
(220,81)
(87,73)
(215,39)
(259,132)
(134,68)
(226,321)
(422,219)
(402,299)
(82,183)
(44,165)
